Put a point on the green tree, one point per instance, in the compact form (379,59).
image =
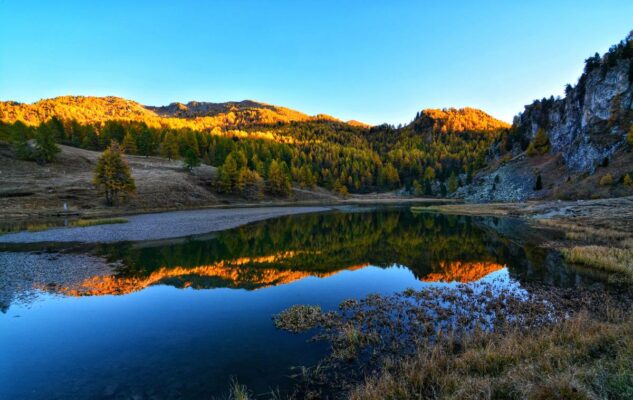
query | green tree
(250,184)
(429,174)
(145,141)
(418,190)
(306,178)
(340,188)
(539,145)
(112,175)
(45,147)
(170,147)
(228,174)
(390,176)
(453,183)
(19,141)
(129,144)
(191,160)
(113,130)
(278,180)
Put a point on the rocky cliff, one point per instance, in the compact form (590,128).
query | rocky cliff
(586,129)
(592,120)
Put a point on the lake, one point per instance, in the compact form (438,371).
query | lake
(181,318)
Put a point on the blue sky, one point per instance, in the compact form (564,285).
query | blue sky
(375,61)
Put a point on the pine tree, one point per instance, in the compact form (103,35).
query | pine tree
(19,141)
(112,175)
(453,184)
(191,160)
(169,148)
(129,144)
(278,180)
(146,143)
(228,175)
(250,184)
(539,183)
(45,147)
(418,190)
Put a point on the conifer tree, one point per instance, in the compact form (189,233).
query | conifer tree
(250,184)
(191,160)
(112,175)
(539,183)
(169,148)
(453,184)
(278,180)
(228,174)
(19,141)
(540,144)
(129,144)
(45,147)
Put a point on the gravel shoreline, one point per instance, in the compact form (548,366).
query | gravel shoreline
(157,226)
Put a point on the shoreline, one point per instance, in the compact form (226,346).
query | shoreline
(55,214)
(159,226)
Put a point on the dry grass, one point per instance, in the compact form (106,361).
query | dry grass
(611,259)
(578,359)
(585,233)
(101,221)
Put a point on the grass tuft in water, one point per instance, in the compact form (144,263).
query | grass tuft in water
(102,221)
(611,259)
(298,318)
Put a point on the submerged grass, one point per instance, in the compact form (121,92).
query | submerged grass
(476,343)
(101,221)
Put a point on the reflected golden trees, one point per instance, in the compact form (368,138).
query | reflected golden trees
(433,247)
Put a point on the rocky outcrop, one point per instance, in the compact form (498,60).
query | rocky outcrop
(510,182)
(587,126)
(591,122)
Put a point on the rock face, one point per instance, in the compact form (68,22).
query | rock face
(592,121)
(510,182)
(587,126)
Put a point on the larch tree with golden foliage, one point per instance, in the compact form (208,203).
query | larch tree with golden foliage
(112,175)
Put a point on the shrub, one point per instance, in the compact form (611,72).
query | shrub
(606,180)
(539,145)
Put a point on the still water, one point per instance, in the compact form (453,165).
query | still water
(182,318)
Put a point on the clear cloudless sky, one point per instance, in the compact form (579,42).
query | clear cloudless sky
(375,61)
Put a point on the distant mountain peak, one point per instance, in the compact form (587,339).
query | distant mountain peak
(457,120)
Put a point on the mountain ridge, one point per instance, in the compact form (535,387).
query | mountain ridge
(203,115)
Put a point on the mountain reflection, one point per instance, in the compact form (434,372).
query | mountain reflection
(434,247)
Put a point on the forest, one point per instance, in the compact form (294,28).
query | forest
(433,155)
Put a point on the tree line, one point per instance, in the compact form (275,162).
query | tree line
(329,154)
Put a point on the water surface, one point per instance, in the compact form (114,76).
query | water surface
(181,318)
